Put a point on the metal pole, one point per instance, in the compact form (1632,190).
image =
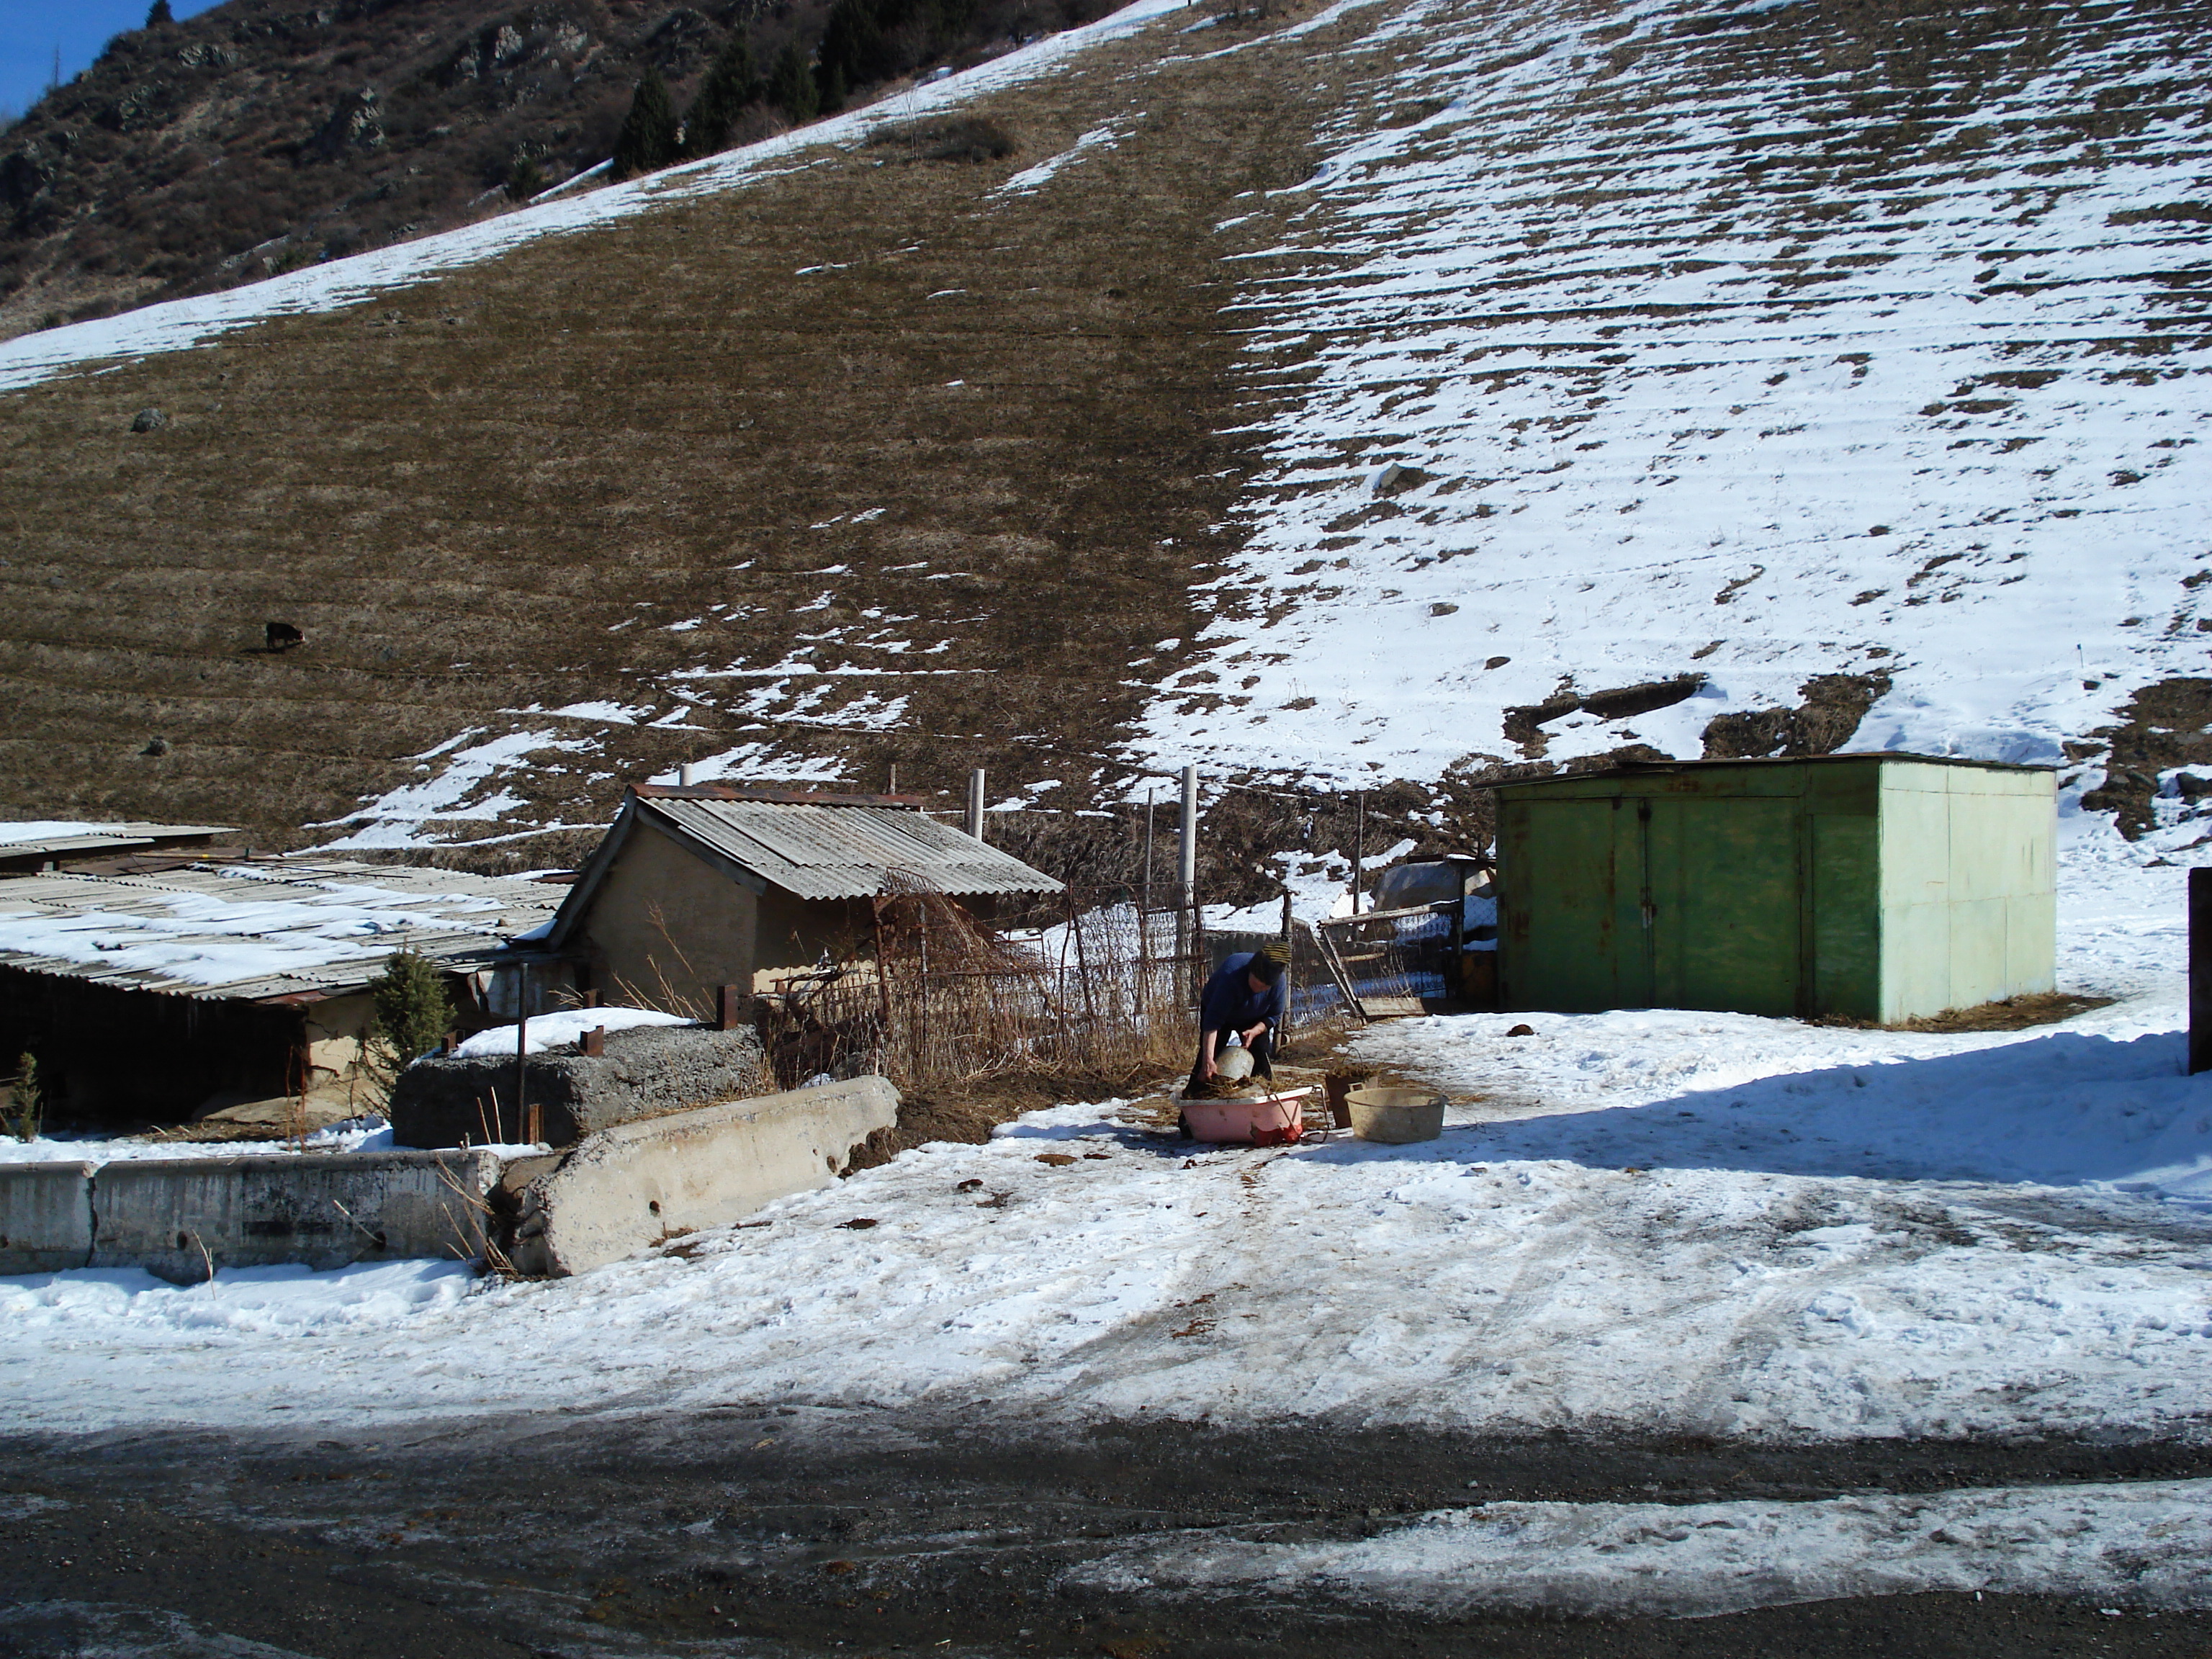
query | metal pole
(1358,851)
(1188,875)
(2200,971)
(976,803)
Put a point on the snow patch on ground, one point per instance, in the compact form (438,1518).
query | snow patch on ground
(2144,1545)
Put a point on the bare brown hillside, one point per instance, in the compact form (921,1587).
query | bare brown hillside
(263,136)
(863,433)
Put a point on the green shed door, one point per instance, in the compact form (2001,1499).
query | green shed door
(1725,912)
(1572,933)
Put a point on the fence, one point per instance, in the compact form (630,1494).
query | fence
(944,1002)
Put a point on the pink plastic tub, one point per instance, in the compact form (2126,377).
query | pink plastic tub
(1275,1120)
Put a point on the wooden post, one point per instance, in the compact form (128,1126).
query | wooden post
(1187,945)
(2200,971)
(976,803)
(591,999)
(1144,909)
(728,1009)
(521,1042)
(1358,850)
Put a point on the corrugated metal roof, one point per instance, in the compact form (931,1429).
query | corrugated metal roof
(45,840)
(261,930)
(848,851)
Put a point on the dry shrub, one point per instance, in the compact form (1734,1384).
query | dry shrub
(951,138)
(943,1002)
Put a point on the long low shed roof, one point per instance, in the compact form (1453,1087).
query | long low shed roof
(259,932)
(847,852)
(54,838)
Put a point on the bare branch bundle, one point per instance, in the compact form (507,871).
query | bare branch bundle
(945,1001)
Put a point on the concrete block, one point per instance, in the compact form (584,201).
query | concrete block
(175,1216)
(626,1188)
(46,1217)
(647,1070)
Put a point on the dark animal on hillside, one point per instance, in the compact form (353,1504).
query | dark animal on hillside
(282,636)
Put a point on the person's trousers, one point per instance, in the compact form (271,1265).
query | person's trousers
(1263,1059)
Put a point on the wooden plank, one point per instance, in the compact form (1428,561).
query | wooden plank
(1392,1007)
(1336,971)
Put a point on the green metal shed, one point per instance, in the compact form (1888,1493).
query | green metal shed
(1875,886)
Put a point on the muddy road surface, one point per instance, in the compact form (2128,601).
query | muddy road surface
(801,1532)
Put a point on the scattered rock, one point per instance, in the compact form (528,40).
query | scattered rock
(1396,480)
(860,1223)
(148,420)
(156,746)
(357,124)
(1522,1031)
(1056,1159)
(1833,707)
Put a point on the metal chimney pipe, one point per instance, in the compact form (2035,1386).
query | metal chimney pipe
(976,803)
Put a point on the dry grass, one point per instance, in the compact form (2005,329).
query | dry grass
(2007,1014)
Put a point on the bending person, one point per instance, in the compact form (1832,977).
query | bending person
(1244,997)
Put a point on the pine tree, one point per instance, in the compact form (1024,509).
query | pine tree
(728,87)
(647,141)
(412,1013)
(27,1095)
(791,85)
(832,90)
(158,15)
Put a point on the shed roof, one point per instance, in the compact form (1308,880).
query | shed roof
(1643,768)
(816,848)
(259,932)
(34,843)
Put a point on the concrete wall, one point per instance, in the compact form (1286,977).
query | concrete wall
(647,1070)
(46,1217)
(626,1188)
(666,921)
(792,933)
(335,1030)
(176,1217)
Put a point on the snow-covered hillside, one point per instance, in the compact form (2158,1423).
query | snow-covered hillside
(1758,341)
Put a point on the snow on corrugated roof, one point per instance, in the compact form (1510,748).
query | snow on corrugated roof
(256,932)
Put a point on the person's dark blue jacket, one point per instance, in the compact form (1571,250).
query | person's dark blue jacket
(1231,1003)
